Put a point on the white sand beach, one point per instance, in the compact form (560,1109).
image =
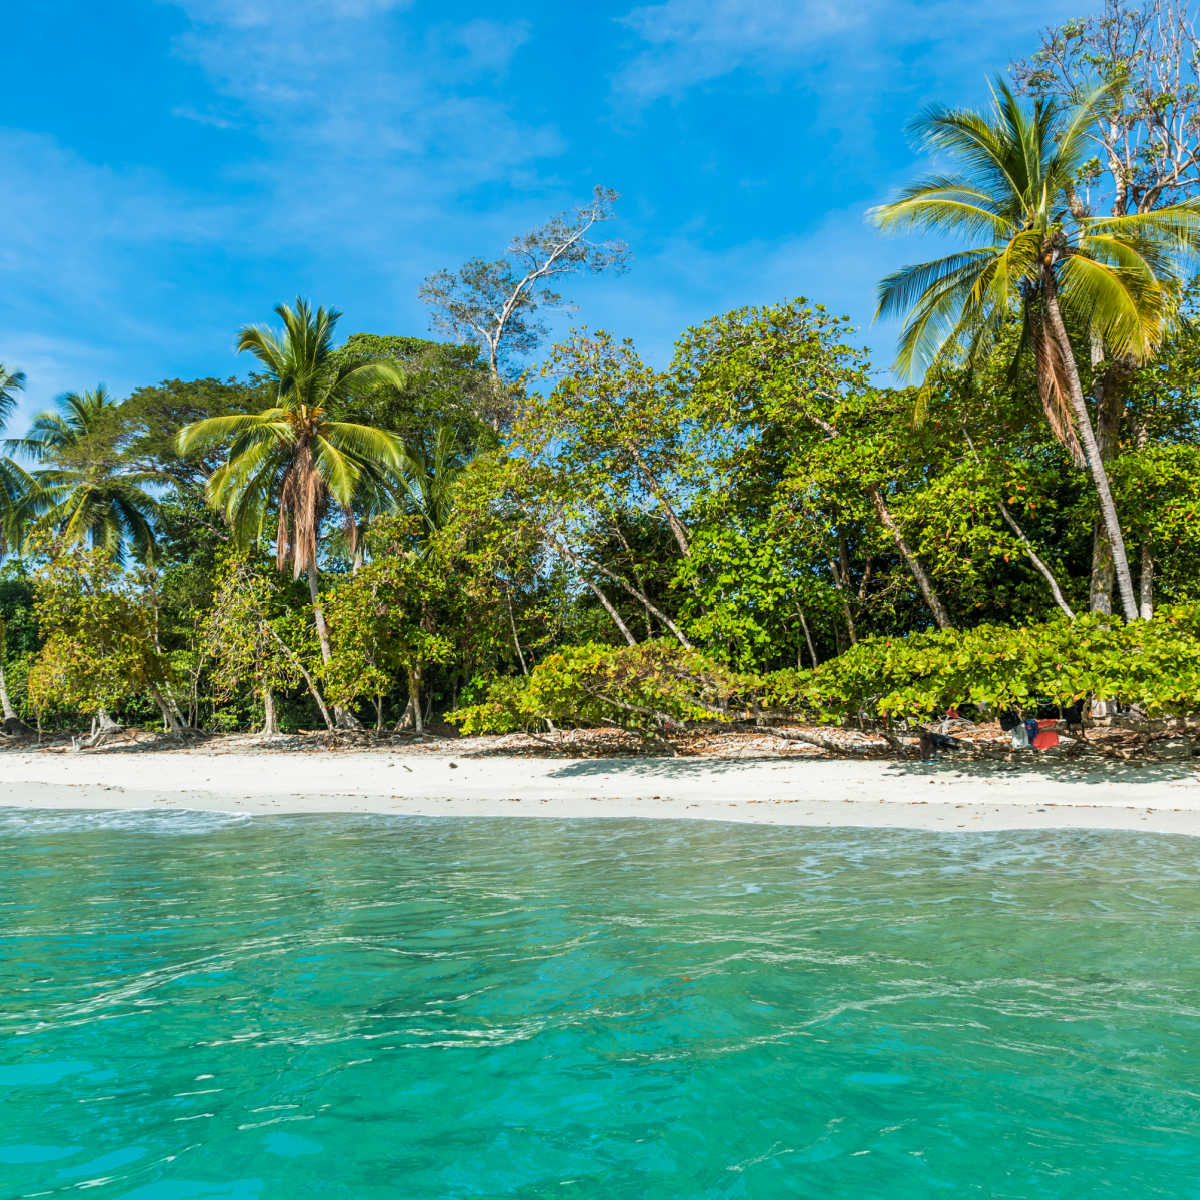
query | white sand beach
(1161,796)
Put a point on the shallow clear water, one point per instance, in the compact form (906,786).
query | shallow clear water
(196,1006)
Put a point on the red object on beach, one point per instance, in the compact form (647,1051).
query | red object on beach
(1045,738)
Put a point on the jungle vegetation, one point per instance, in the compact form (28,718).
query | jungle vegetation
(391,531)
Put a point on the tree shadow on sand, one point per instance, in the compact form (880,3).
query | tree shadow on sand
(1093,770)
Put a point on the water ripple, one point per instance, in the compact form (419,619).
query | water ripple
(198,1005)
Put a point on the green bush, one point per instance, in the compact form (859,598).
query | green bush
(660,688)
(1152,664)
(651,689)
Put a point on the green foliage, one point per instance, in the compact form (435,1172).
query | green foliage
(241,631)
(97,624)
(151,418)
(755,507)
(86,494)
(650,689)
(293,457)
(382,619)
(1010,202)
(657,688)
(1152,664)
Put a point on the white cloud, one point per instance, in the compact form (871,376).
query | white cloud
(215,120)
(693,41)
(53,365)
(385,126)
(252,14)
(690,42)
(66,218)
(684,280)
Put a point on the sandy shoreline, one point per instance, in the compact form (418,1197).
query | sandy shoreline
(1161,797)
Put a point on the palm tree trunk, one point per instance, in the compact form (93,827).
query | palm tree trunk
(924,583)
(1108,389)
(1087,435)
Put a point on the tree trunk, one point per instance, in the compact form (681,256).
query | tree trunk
(1108,391)
(595,590)
(319,614)
(808,638)
(1087,435)
(1100,589)
(170,720)
(924,583)
(512,624)
(294,658)
(648,604)
(1032,554)
(1146,582)
(343,718)
(678,531)
(1034,558)
(270,718)
(412,717)
(840,584)
(6,709)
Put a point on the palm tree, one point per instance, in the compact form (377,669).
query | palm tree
(434,460)
(85,495)
(1037,256)
(14,482)
(293,456)
(15,490)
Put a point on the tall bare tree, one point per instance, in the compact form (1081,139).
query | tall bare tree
(495,303)
(1147,139)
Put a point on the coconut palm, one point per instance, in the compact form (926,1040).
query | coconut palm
(433,461)
(1037,256)
(16,488)
(294,457)
(15,484)
(85,495)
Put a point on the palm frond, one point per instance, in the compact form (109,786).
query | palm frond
(215,431)
(1126,308)
(943,205)
(11,382)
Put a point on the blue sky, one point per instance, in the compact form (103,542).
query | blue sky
(173,168)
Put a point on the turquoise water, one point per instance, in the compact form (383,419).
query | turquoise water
(196,1006)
